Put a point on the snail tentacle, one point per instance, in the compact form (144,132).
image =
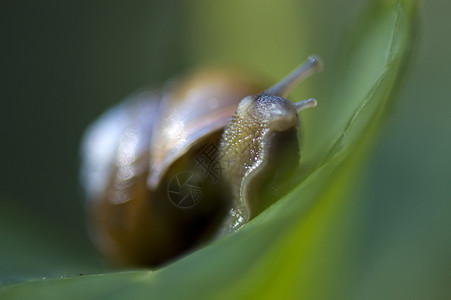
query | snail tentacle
(284,87)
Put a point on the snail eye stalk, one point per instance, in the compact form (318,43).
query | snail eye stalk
(284,87)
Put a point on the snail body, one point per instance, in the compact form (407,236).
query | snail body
(167,170)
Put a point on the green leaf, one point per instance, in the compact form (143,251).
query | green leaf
(303,246)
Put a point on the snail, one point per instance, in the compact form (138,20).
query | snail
(167,170)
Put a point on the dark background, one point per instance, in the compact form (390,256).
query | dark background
(62,64)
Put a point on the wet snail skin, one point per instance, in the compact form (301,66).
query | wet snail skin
(169,169)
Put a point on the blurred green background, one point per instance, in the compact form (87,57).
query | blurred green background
(63,63)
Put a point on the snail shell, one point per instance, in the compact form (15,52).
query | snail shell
(161,174)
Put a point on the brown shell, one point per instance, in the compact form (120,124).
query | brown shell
(133,154)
